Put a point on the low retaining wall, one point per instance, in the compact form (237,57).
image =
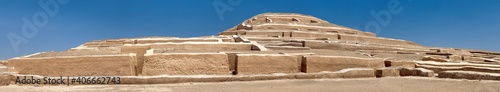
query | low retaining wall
(416,72)
(185,64)
(102,65)
(464,68)
(354,47)
(268,33)
(287,48)
(267,64)
(124,80)
(336,63)
(366,39)
(469,75)
(400,63)
(315,35)
(387,72)
(107,43)
(180,40)
(202,46)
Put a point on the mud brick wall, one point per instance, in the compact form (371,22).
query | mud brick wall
(104,65)
(179,40)
(267,64)
(315,35)
(268,33)
(186,64)
(367,39)
(336,63)
(203,46)
(139,50)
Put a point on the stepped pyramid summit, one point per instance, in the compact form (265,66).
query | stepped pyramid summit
(265,47)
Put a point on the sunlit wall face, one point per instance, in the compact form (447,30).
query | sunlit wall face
(56,25)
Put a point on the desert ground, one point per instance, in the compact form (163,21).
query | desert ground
(387,84)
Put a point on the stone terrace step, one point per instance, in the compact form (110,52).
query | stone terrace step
(166,79)
(441,67)
(462,64)
(465,68)
(471,75)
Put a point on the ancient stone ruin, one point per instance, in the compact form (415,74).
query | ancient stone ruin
(265,47)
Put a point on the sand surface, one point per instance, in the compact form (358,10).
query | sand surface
(401,84)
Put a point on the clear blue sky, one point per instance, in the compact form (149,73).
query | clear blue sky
(472,24)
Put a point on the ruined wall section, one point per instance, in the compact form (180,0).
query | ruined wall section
(98,65)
